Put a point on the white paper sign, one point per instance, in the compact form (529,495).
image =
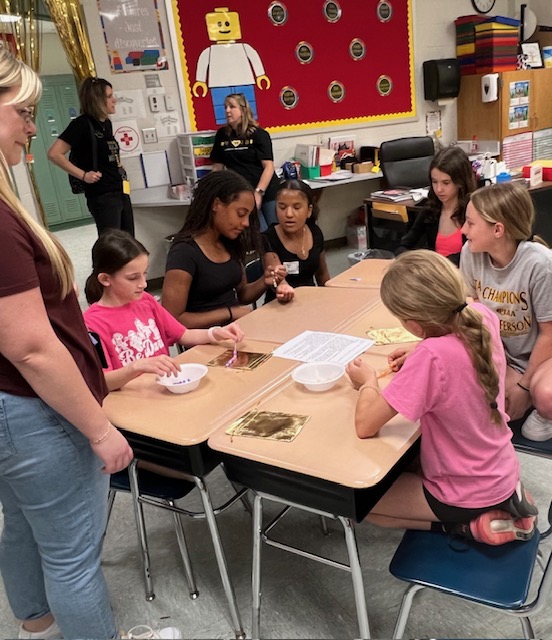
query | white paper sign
(130,104)
(319,346)
(126,134)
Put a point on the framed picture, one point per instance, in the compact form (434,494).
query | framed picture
(533,54)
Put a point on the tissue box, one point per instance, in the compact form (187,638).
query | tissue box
(357,237)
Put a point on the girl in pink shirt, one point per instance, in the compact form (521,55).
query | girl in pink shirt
(453,383)
(134,329)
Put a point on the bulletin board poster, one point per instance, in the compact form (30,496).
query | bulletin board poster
(302,64)
(133,35)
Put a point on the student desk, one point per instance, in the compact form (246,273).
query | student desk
(172,430)
(365,274)
(313,308)
(327,469)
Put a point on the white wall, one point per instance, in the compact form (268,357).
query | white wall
(434,37)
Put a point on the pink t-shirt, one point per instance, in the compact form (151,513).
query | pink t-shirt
(467,460)
(139,329)
(449,245)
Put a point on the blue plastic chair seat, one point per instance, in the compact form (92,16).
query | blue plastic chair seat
(153,484)
(497,576)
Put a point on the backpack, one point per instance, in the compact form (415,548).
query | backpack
(78,186)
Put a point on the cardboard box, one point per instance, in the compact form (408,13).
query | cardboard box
(363,167)
(357,237)
(546,169)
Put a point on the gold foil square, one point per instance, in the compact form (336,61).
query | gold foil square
(272,425)
(245,360)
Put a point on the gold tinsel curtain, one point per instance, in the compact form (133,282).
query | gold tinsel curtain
(23,37)
(68,19)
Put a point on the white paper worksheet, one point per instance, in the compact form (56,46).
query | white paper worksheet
(319,346)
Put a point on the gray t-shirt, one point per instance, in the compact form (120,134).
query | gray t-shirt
(519,293)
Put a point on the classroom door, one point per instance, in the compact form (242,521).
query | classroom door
(59,104)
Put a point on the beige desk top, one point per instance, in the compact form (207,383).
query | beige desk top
(365,274)
(313,308)
(147,408)
(327,447)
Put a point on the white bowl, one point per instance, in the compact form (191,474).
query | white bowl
(186,380)
(318,376)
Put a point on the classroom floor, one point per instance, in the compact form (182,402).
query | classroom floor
(301,598)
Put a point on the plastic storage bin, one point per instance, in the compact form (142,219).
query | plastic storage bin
(194,149)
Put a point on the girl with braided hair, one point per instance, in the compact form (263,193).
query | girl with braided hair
(469,482)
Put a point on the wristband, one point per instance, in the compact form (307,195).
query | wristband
(211,333)
(104,437)
(522,387)
(83,175)
(230,316)
(369,386)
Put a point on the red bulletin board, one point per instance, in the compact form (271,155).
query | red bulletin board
(387,46)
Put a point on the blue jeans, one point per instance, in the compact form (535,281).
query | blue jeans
(267,214)
(54,499)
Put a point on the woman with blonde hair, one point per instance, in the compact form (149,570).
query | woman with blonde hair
(469,483)
(57,447)
(510,271)
(246,148)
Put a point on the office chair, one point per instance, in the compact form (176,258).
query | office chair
(498,577)
(405,162)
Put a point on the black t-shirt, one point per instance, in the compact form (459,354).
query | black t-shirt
(79,137)
(307,267)
(213,283)
(244,156)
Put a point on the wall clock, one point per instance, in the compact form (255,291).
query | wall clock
(483,6)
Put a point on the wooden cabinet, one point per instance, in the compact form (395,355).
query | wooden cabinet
(491,120)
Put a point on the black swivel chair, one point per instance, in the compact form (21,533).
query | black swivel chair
(404,163)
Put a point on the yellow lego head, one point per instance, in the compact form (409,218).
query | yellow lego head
(223,25)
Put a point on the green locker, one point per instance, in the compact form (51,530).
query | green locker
(59,104)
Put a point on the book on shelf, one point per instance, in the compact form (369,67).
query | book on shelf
(392,195)
(400,195)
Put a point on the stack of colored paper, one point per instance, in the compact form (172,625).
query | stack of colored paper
(496,45)
(465,42)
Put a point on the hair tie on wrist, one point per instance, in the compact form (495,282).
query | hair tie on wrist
(84,175)
(211,333)
(522,387)
(230,316)
(460,307)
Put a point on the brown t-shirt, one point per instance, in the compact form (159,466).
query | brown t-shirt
(24,265)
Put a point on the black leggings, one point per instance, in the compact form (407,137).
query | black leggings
(447,513)
(112,211)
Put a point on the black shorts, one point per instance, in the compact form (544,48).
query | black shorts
(447,513)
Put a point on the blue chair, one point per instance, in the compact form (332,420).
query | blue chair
(156,490)
(495,577)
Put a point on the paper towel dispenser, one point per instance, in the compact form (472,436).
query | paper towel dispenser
(441,78)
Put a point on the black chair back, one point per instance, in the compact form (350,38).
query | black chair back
(405,162)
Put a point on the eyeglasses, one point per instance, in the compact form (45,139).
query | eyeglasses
(26,113)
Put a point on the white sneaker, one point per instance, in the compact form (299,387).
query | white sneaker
(53,631)
(143,632)
(537,428)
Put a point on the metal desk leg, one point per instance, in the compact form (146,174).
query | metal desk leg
(256,566)
(356,574)
(221,558)
(140,527)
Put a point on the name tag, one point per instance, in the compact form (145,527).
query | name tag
(292,267)
(126,187)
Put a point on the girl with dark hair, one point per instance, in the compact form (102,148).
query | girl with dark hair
(90,137)
(205,281)
(246,148)
(134,329)
(440,223)
(469,480)
(296,242)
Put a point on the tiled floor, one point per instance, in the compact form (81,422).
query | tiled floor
(301,599)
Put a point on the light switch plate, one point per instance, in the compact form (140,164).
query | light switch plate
(154,103)
(149,135)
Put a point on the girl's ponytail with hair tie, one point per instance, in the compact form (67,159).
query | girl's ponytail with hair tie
(460,307)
